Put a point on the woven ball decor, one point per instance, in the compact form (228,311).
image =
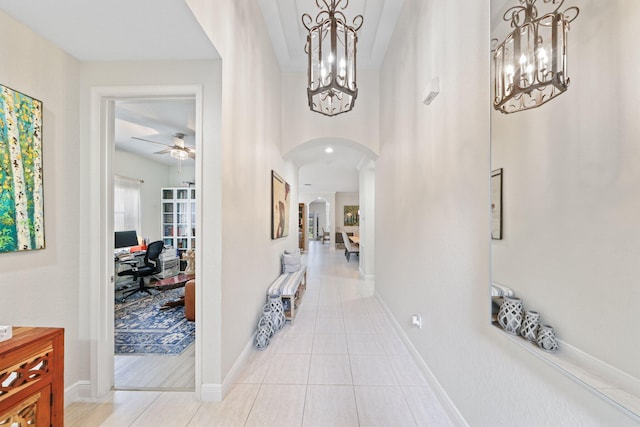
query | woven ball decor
(510,315)
(530,325)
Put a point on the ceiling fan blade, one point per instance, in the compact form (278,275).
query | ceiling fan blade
(192,155)
(148,140)
(168,150)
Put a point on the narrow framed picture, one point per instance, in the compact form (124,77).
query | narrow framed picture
(496,204)
(280,201)
(21,175)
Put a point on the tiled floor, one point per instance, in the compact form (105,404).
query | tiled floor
(341,364)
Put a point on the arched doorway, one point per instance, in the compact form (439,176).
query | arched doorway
(338,172)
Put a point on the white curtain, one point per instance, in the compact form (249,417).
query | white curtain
(126,204)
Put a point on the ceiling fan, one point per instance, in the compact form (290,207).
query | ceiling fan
(178,150)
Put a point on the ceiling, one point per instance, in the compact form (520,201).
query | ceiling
(116,30)
(125,30)
(322,172)
(155,120)
(288,36)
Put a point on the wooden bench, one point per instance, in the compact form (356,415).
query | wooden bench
(291,287)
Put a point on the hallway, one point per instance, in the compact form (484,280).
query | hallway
(341,364)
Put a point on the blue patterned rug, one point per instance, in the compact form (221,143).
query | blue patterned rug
(142,328)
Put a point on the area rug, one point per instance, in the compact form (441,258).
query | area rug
(141,327)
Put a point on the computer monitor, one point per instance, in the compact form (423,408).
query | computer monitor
(125,239)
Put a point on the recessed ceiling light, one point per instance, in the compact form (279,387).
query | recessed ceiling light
(328,150)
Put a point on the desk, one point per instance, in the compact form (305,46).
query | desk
(174,282)
(355,239)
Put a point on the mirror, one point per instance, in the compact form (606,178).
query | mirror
(570,195)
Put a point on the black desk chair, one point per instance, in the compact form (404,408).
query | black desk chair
(151,266)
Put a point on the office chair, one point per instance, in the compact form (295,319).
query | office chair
(151,266)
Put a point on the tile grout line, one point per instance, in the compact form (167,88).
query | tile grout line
(255,399)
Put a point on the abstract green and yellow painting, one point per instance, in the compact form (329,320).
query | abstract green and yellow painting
(21,191)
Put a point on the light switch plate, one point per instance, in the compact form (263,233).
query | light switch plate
(6,332)
(431,91)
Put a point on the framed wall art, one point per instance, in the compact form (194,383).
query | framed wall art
(280,202)
(496,204)
(351,216)
(21,186)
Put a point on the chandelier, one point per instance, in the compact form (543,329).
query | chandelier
(331,50)
(531,63)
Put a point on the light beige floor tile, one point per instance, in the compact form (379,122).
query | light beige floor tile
(120,408)
(294,343)
(329,312)
(330,369)
(383,326)
(288,369)
(233,411)
(329,344)
(372,369)
(406,370)
(335,297)
(364,344)
(359,325)
(75,413)
(306,313)
(354,308)
(278,406)
(333,406)
(425,407)
(304,323)
(256,367)
(170,408)
(330,326)
(393,345)
(382,407)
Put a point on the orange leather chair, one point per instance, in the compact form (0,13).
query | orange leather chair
(190,300)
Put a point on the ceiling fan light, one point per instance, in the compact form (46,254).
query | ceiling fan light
(179,154)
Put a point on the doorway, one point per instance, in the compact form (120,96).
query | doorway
(103,114)
(154,196)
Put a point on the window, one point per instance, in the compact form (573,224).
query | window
(126,204)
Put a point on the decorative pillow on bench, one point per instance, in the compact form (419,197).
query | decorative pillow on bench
(291,261)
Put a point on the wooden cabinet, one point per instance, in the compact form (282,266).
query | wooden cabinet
(179,217)
(302,228)
(32,378)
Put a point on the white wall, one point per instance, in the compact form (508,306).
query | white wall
(251,140)
(41,288)
(571,235)
(206,74)
(179,176)
(432,200)
(304,125)
(155,176)
(367,203)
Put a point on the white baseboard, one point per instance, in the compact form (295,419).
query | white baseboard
(366,276)
(237,367)
(211,393)
(217,392)
(448,405)
(80,391)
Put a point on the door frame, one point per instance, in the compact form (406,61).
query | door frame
(101,267)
